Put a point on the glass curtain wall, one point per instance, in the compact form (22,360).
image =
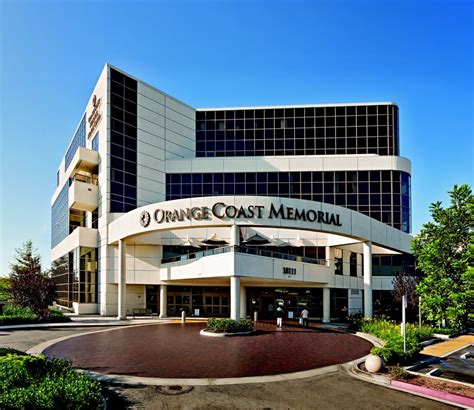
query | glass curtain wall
(85,275)
(382,195)
(337,130)
(75,275)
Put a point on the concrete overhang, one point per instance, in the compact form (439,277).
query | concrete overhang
(355,227)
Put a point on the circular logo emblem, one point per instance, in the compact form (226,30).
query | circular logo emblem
(145,219)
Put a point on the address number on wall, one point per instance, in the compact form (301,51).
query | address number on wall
(289,271)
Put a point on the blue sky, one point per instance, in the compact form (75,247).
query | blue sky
(229,53)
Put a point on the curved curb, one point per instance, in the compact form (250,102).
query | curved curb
(352,368)
(155,381)
(204,332)
(372,339)
(65,325)
(40,348)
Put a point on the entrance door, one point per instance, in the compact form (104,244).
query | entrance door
(216,305)
(268,307)
(178,303)
(152,298)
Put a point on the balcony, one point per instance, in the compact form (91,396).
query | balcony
(246,250)
(81,236)
(83,193)
(246,262)
(84,159)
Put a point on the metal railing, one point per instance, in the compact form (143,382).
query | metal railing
(94,179)
(245,250)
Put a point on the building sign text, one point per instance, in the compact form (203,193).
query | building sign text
(220,210)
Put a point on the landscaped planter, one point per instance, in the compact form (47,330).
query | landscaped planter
(205,332)
(219,327)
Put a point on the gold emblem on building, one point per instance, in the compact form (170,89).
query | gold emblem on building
(96,115)
(145,219)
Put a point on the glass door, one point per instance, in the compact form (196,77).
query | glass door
(152,298)
(178,303)
(216,305)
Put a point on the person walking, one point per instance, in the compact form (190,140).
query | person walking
(304,315)
(279,315)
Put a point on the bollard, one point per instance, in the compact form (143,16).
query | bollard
(255,316)
(183,316)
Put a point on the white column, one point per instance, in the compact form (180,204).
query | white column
(243,302)
(326,305)
(122,280)
(234,235)
(367,246)
(235,298)
(163,300)
(327,250)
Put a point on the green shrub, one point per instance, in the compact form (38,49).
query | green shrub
(223,325)
(399,373)
(421,334)
(8,350)
(17,315)
(40,383)
(390,332)
(355,321)
(392,351)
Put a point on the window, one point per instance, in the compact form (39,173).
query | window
(123,148)
(353,264)
(60,217)
(381,195)
(293,124)
(79,140)
(95,142)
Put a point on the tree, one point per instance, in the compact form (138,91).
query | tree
(405,284)
(29,286)
(444,255)
(5,289)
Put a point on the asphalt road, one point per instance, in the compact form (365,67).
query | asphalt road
(333,391)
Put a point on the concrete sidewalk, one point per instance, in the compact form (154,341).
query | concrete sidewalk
(96,321)
(444,348)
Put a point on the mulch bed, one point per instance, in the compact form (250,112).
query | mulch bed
(440,385)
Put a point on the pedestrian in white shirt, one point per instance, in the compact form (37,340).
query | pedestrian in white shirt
(304,315)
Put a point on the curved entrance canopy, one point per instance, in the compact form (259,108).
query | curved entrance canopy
(271,217)
(225,220)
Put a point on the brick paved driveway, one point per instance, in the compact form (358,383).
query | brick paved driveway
(179,351)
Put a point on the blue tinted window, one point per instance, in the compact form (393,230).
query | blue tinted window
(60,217)
(348,189)
(79,140)
(123,148)
(95,142)
(308,131)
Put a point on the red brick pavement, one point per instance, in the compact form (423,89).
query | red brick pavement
(179,351)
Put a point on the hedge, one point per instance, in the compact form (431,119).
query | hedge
(18,315)
(40,383)
(221,325)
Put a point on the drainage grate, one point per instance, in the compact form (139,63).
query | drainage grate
(174,390)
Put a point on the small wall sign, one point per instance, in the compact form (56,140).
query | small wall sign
(289,271)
